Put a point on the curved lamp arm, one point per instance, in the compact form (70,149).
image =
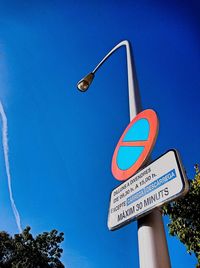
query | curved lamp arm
(134,96)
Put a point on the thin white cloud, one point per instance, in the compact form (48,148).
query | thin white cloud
(7,165)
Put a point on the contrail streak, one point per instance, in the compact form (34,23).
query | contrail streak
(5,150)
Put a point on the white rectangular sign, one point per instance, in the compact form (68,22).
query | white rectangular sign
(162,181)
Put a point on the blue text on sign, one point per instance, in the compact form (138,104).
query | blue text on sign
(152,186)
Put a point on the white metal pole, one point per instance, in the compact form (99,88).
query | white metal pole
(153,251)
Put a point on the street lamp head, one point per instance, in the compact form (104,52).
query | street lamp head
(84,83)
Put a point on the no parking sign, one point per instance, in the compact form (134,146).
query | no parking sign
(135,145)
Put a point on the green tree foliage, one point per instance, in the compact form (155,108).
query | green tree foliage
(25,251)
(184,217)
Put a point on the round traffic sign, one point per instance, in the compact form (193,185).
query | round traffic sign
(135,145)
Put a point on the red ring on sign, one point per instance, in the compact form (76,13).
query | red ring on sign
(152,118)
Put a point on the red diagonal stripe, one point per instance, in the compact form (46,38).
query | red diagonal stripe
(133,143)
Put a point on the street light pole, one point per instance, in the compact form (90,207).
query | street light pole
(134,96)
(153,251)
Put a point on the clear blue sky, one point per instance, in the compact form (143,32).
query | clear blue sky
(61,141)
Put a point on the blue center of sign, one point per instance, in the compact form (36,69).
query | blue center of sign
(128,155)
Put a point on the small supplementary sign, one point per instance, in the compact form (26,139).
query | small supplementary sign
(160,182)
